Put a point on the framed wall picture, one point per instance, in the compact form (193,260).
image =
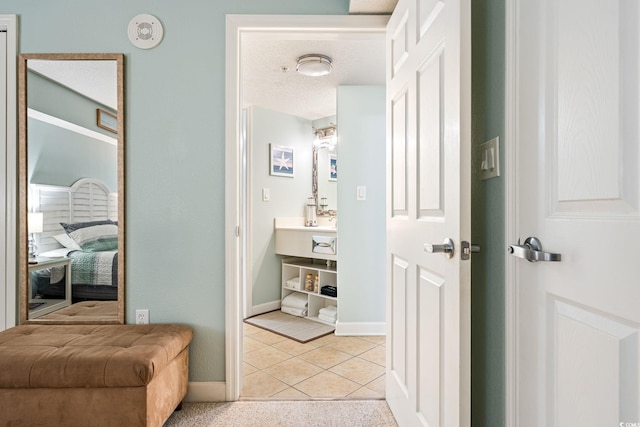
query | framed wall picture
(333,167)
(107,121)
(281,161)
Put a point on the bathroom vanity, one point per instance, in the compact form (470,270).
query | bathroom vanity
(294,239)
(314,251)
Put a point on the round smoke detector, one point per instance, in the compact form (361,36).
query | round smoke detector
(145,31)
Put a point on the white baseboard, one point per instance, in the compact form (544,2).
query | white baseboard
(360,328)
(265,308)
(211,391)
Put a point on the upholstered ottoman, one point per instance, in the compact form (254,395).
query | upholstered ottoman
(92,375)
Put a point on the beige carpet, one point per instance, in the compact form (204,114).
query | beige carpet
(294,327)
(347,413)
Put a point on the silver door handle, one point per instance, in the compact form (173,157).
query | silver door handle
(532,251)
(446,248)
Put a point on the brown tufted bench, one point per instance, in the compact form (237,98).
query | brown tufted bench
(92,375)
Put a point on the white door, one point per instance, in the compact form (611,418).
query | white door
(428,201)
(577,359)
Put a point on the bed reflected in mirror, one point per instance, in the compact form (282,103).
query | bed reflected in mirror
(71,201)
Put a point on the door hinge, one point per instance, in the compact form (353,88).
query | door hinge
(237,231)
(467,249)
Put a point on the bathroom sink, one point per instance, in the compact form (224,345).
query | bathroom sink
(297,223)
(304,228)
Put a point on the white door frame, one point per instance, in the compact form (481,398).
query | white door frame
(236,26)
(8,183)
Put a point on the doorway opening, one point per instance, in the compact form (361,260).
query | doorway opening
(279,32)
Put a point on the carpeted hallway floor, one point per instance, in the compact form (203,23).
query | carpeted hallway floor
(337,413)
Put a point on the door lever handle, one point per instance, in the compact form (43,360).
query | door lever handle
(446,248)
(532,251)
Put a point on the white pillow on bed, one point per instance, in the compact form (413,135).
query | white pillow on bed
(93,236)
(67,241)
(56,253)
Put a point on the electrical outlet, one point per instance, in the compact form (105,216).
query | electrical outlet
(142,317)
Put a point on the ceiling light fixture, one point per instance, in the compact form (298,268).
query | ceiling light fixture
(314,65)
(325,137)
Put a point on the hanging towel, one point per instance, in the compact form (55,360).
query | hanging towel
(295,300)
(301,312)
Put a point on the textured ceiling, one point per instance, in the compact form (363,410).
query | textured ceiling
(358,59)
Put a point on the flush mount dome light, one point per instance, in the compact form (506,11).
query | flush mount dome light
(314,65)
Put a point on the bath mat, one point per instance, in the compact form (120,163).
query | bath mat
(294,327)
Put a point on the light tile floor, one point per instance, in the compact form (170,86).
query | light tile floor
(328,367)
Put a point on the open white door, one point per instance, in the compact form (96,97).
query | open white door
(428,192)
(576,322)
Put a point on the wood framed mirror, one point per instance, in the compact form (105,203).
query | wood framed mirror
(71,188)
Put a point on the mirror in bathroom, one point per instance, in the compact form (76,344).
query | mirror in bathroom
(71,188)
(325,171)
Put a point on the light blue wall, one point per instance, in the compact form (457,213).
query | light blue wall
(58,156)
(175,97)
(361,252)
(288,195)
(59,101)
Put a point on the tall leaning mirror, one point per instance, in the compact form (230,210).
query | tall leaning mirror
(71,188)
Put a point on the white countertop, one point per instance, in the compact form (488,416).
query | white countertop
(297,224)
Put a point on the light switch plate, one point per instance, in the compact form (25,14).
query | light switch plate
(361,192)
(490,159)
(266,195)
